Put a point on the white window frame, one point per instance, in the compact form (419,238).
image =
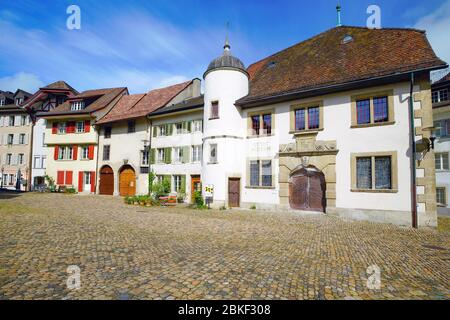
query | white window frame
(214,159)
(62,127)
(440,155)
(77,105)
(2,102)
(197,153)
(145,158)
(197,125)
(37,162)
(178,128)
(22,138)
(177,183)
(160,155)
(65,153)
(78,129)
(84,153)
(178,155)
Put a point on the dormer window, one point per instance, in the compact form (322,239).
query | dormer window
(2,102)
(77,105)
(19,101)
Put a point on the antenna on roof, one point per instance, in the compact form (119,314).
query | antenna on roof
(338,9)
(227,46)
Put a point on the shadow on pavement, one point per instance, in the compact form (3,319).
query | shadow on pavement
(9,194)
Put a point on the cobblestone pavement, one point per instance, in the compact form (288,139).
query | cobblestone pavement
(130,252)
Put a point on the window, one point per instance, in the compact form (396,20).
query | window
(162,130)
(178,155)
(260,124)
(20,159)
(77,105)
(161,156)
(144,158)
(44,162)
(131,126)
(196,153)
(179,128)
(213,153)
(377,172)
(107,132)
(62,128)
(19,101)
(106,152)
(87,177)
(373,109)
(10,138)
(43,139)
(22,138)
(2,102)
(177,183)
(80,126)
(443,128)
(85,153)
(12,121)
(214,114)
(197,126)
(11,179)
(65,153)
(23,120)
(260,173)
(441,196)
(363,111)
(9,159)
(37,163)
(307,116)
(441,160)
(439,96)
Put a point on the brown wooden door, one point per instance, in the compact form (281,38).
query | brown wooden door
(234,192)
(196,185)
(106,181)
(127,182)
(307,190)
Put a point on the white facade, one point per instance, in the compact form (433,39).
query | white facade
(39,154)
(442,152)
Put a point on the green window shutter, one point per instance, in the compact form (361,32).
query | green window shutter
(183,184)
(169,129)
(168,155)
(152,156)
(186,154)
(189,126)
(184,126)
(155,131)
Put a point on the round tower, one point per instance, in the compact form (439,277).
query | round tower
(224,128)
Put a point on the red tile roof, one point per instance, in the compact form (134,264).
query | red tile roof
(140,105)
(325,60)
(104,98)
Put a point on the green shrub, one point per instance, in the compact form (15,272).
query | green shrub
(253,207)
(161,189)
(198,199)
(71,190)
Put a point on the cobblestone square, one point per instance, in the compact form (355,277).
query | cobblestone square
(133,252)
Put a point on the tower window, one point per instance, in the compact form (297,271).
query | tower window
(214,110)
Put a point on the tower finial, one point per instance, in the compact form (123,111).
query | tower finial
(227,46)
(338,9)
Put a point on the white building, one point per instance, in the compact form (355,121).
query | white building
(441,114)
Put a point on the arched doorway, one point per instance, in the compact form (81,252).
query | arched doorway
(307,189)
(127,181)
(106,181)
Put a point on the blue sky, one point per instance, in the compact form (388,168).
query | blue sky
(148,44)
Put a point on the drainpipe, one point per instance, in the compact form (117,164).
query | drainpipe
(30,157)
(149,155)
(97,176)
(413,154)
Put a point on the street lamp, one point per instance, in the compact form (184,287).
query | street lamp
(433,137)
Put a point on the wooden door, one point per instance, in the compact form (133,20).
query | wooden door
(234,192)
(106,181)
(307,190)
(196,185)
(127,182)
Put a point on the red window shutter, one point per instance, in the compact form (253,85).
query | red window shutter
(55,128)
(55,156)
(71,127)
(80,181)
(93,181)
(87,126)
(69,177)
(75,152)
(60,177)
(91,152)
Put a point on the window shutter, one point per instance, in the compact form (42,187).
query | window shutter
(71,127)
(155,132)
(91,152)
(75,152)
(169,129)
(55,128)
(445,162)
(80,181)
(93,181)
(183,183)
(167,155)
(27,136)
(186,154)
(55,155)
(60,177)
(87,126)
(153,156)
(17,121)
(69,177)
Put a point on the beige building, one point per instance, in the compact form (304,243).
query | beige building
(15,142)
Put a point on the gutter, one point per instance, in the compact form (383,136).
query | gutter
(255,102)
(413,154)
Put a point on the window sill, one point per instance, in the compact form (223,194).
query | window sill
(212,163)
(214,118)
(375,190)
(370,125)
(260,136)
(260,187)
(305,132)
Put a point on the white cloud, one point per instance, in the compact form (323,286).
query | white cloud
(25,81)
(437,25)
